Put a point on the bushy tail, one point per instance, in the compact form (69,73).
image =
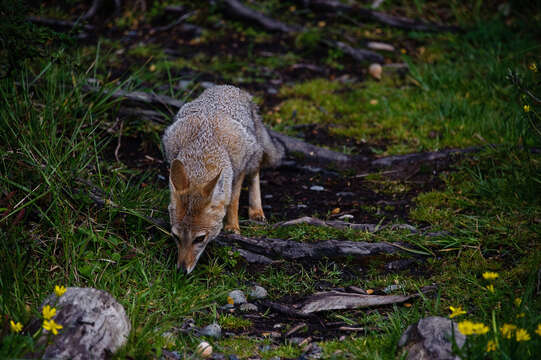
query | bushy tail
(273,150)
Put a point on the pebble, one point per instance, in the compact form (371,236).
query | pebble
(345,193)
(238,297)
(317,188)
(268,196)
(212,330)
(272,91)
(345,217)
(204,349)
(389,289)
(302,206)
(206,84)
(258,292)
(247,307)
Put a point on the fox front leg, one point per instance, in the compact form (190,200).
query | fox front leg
(232,216)
(255,211)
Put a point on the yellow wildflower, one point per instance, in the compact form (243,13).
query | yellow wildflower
(490,275)
(522,335)
(403,51)
(456,311)
(321,24)
(15,326)
(521,315)
(538,330)
(48,312)
(467,327)
(51,326)
(230,300)
(59,290)
(490,288)
(526,108)
(518,301)
(491,346)
(533,67)
(507,330)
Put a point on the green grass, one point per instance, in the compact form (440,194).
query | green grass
(55,152)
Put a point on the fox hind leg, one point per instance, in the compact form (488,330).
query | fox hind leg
(232,216)
(255,210)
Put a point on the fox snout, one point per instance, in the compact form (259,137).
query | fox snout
(189,253)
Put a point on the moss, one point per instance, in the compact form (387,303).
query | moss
(231,322)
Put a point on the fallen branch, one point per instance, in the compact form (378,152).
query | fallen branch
(390,20)
(237,9)
(137,97)
(55,23)
(173,24)
(293,145)
(96,5)
(335,300)
(421,157)
(286,310)
(293,250)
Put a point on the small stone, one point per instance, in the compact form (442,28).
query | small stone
(296,340)
(313,351)
(212,330)
(345,193)
(238,297)
(258,292)
(272,91)
(375,71)
(317,188)
(430,339)
(399,264)
(206,84)
(389,289)
(247,307)
(277,326)
(268,196)
(345,217)
(302,206)
(204,349)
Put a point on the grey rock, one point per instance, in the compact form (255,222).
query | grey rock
(345,193)
(247,307)
(317,188)
(206,84)
(258,292)
(345,217)
(302,206)
(238,297)
(272,91)
(399,264)
(389,289)
(313,351)
(268,196)
(228,306)
(212,330)
(170,355)
(94,325)
(431,339)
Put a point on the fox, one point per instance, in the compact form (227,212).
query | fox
(213,144)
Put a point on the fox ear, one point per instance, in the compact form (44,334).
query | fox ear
(208,189)
(178,176)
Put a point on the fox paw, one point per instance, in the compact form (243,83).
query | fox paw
(235,229)
(257,215)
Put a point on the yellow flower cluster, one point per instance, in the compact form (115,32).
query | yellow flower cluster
(16,326)
(490,275)
(507,330)
(59,290)
(51,326)
(526,108)
(490,288)
(456,311)
(522,335)
(491,346)
(48,312)
(467,327)
(533,67)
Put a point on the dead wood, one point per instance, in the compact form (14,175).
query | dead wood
(56,23)
(151,115)
(237,9)
(335,300)
(421,157)
(372,15)
(137,97)
(293,250)
(338,224)
(286,310)
(96,5)
(173,24)
(293,145)
(294,329)
(357,54)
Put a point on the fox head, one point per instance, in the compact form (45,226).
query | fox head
(196,212)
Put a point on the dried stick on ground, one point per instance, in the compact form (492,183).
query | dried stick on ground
(391,20)
(293,250)
(138,97)
(96,5)
(236,9)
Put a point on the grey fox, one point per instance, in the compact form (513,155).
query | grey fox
(214,142)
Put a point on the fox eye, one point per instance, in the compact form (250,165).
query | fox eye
(198,239)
